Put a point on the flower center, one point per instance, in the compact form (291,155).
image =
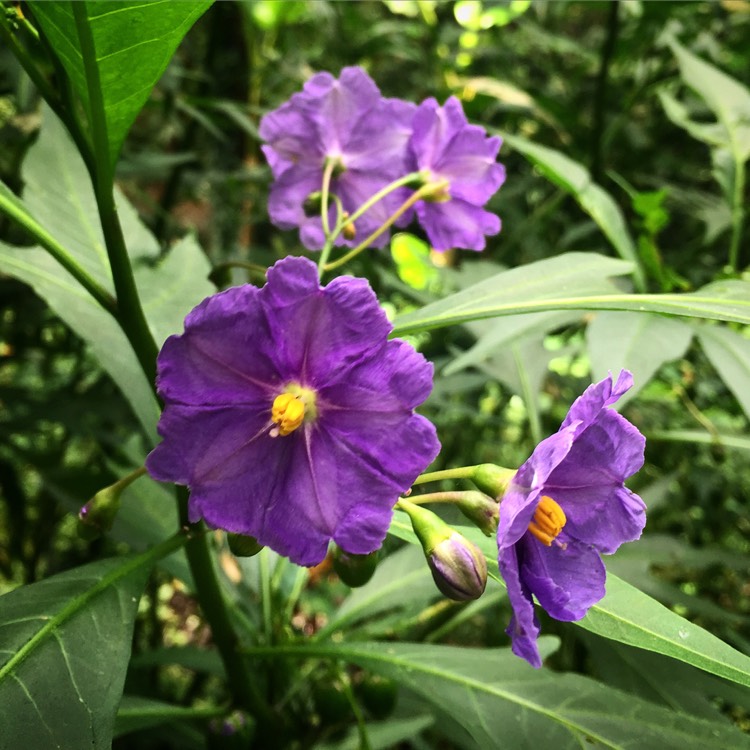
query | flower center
(548,522)
(291,408)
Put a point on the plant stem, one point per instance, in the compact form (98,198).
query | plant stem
(405,206)
(738,214)
(324,190)
(15,210)
(462,472)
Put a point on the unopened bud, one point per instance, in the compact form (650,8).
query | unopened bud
(98,515)
(233,731)
(492,480)
(243,546)
(354,570)
(434,190)
(458,568)
(312,204)
(480,509)
(349,231)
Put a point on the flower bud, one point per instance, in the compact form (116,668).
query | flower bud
(434,190)
(243,546)
(492,480)
(349,231)
(458,568)
(312,204)
(481,510)
(354,570)
(233,731)
(98,515)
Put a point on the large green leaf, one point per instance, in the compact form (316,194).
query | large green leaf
(629,616)
(64,649)
(114,53)
(66,209)
(729,353)
(728,99)
(502,702)
(576,180)
(136,713)
(639,343)
(544,285)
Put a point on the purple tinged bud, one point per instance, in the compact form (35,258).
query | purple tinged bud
(458,568)
(482,510)
(233,732)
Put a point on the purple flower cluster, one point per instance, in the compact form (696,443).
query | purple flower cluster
(567,505)
(290,415)
(371,141)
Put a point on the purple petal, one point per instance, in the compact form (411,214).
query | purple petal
(456,223)
(566,581)
(519,502)
(586,407)
(289,192)
(524,626)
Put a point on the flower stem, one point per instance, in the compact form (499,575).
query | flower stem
(738,214)
(462,472)
(439,497)
(405,206)
(324,191)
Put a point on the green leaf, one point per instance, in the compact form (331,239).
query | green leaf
(66,209)
(593,199)
(728,99)
(65,647)
(629,616)
(544,286)
(639,343)
(729,353)
(502,701)
(136,713)
(114,53)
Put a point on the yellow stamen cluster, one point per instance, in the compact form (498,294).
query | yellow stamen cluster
(288,412)
(549,519)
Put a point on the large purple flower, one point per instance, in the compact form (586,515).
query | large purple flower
(565,506)
(346,121)
(444,147)
(289,414)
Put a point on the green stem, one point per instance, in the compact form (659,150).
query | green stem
(324,190)
(439,497)
(462,472)
(364,737)
(386,225)
(264,574)
(738,214)
(215,609)
(15,210)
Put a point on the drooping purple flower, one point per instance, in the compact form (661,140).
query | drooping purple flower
(290,415)
(444,146)
(565,506)
(349,122)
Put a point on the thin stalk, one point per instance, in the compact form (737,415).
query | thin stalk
(14,210)
(738,215)
(462,472)
(264,574)
(364,737)
(324,191)
(438,497)
(395,216)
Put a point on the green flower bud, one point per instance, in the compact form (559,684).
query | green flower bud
(481,510)
(492,480)
(354,570)
(312,204)
(98,515)
(243,546)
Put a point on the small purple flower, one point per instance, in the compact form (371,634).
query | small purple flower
(349,122)
(565,506)
(290,415)
(444,147)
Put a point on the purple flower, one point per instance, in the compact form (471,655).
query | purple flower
(565,506)
(349,122)
(444,146)
(289,414)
